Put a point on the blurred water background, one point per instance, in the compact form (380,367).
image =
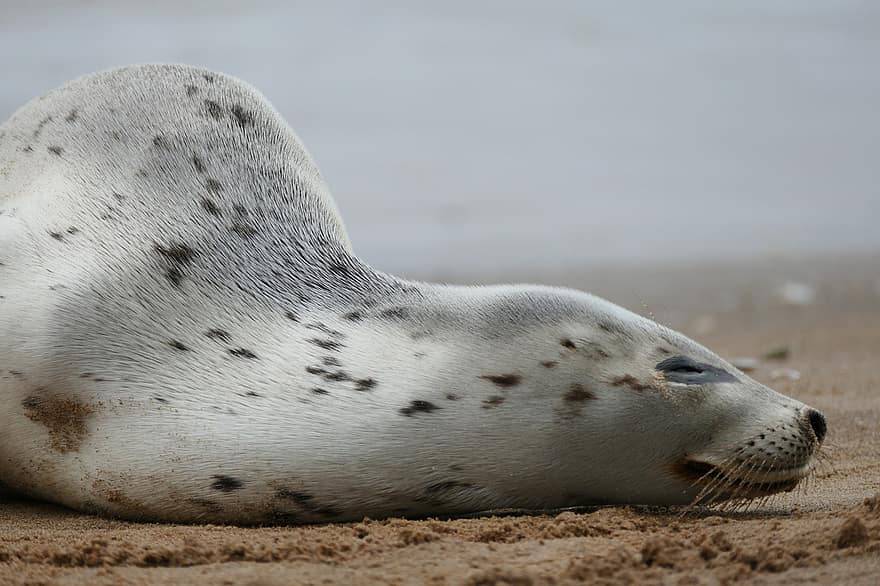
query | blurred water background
(462,138)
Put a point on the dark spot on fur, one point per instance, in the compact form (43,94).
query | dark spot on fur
(243,117)
(225,483)
(214,109)
(87,375)
(566,343)
(503,380)
(549,364)
(56,150)
(306,501)
(28,149)
(72,116)
(72,230)
(331,361)
(364,384)
(239,209)
(213,186)
(319,391)
(631,382)
(395,313)
(320,327)
(578,394)
(57,236)
(338,375)
(160,399)
(210,207)
(243,230)
(177,253)
(252,394)
(418,407)
(118,197)
(493,401)
(326,344)
(178,346)
(339,269)
(159,142)
(452,397)
(291,316)
(242,353)
(41,125)
(353,316)
(175,275)
(208,77)
(198,163)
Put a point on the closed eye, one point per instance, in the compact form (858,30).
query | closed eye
(684,370)
(687,368)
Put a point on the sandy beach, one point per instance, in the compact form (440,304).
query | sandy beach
(518,142)
(818,318)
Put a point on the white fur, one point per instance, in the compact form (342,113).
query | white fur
(90,315)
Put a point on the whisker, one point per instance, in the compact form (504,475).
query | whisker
(726,482)
(713,488)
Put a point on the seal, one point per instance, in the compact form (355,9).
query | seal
(186,335)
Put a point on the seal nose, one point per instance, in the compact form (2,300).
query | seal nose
(817,422)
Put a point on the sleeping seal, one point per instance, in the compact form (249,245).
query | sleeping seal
(186,335)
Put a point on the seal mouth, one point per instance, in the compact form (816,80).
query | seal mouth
(716,483)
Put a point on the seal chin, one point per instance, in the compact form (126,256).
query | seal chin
(716,482)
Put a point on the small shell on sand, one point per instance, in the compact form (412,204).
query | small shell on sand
(746,363)
(794,293)
(785,373)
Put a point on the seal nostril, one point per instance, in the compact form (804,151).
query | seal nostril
(817,422)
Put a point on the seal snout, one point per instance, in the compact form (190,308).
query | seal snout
(817,423)
(776,457)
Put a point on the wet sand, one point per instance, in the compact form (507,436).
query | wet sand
(827,532)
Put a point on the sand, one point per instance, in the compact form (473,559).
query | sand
(828,531)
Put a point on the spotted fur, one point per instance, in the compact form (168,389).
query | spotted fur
(187,335)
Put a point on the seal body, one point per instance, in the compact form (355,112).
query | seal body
(187,335)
